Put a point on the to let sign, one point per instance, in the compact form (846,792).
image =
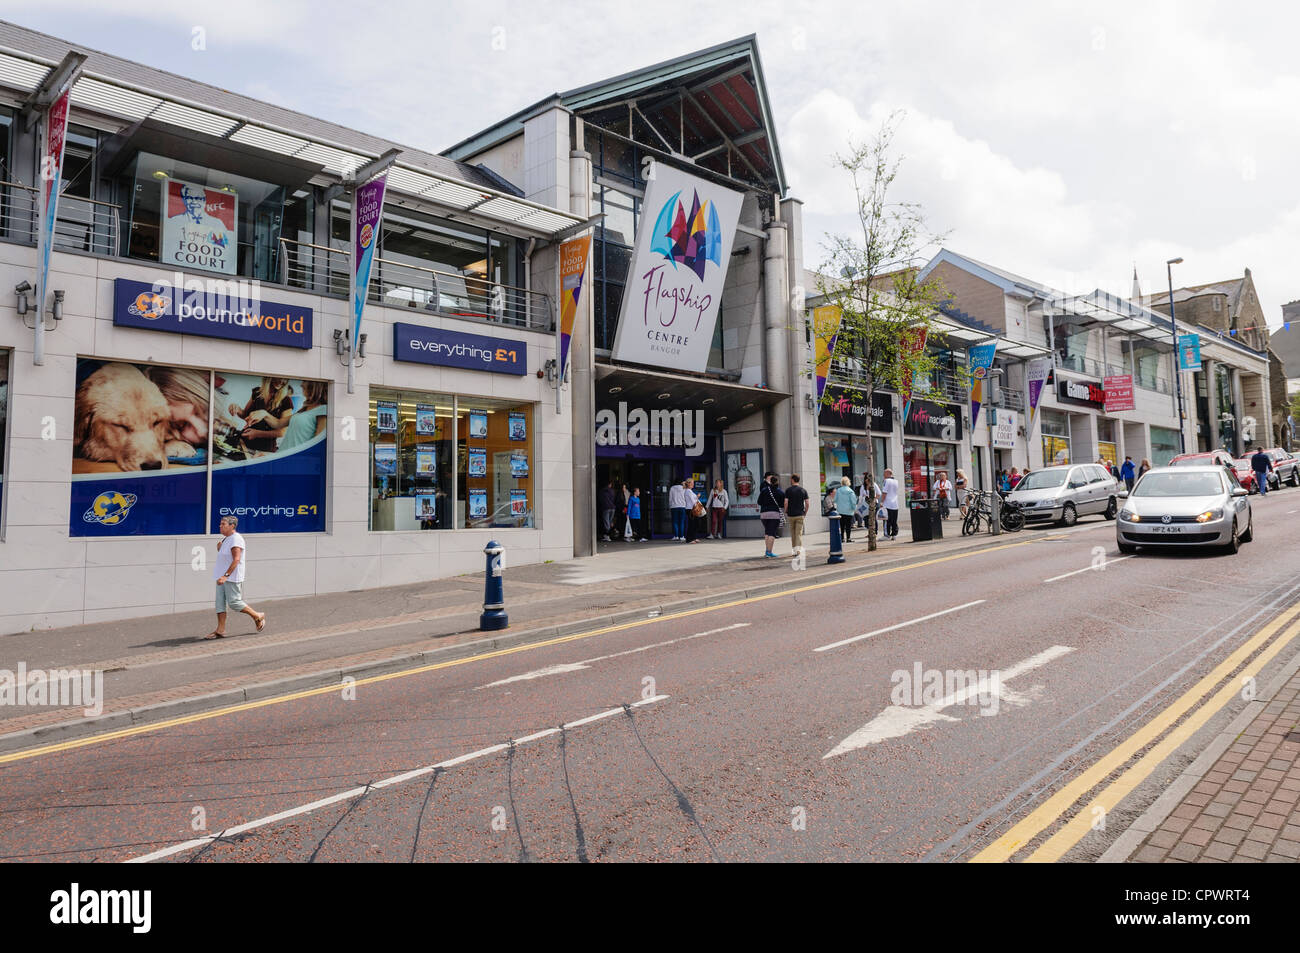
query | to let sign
(473,352)
(1119,393)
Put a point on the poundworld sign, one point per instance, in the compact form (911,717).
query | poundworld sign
(210,307)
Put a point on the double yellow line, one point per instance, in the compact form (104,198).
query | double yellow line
(1109,797)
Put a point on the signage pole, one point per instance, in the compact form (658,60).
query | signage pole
(1178,374)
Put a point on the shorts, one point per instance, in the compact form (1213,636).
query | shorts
(230,594)
(772,527)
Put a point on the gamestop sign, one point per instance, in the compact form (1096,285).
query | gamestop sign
(1090,393)
(679,265)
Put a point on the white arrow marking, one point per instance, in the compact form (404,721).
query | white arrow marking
(897,720)
(587,663)
(901,625)
(1065,575)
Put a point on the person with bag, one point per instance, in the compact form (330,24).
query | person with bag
(633,531)
(771,505)
(959,487)
(694,512)
(846,501)
(719,504)
(796,508)
(943,493)
(890,499)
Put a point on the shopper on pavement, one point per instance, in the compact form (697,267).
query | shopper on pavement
(1128,474)
(607,507)
(1262,464)
(1146,465)
(796,508)
(719,503)
(694,520)
(677,507)
(890,490)
(229,571)
(846,501)
(959,486)
(634,515)
(1014,478)
(771,504)
(943,492)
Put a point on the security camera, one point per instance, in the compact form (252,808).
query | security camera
(22,287)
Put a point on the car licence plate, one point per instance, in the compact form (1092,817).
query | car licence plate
(1168,529)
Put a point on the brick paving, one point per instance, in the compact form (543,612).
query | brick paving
(1246,808)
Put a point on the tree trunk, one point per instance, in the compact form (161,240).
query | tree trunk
(870,475)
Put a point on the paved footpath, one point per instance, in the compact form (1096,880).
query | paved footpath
(159,666)
(1239,802)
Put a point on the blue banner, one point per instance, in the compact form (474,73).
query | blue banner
(279,494)
(1189,352)
(164,503)
(981,359)
(474,352)
(215,308)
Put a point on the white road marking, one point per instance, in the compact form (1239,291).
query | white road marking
(897,720)
(1289,512)
(587,663)
(1065,575)
(386,782)
(900,625)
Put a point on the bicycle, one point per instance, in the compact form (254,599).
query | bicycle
(979,514)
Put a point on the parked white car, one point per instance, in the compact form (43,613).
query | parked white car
(1063,494)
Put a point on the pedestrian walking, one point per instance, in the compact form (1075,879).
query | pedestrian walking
(846,501)
(694,513)
(943,492)
(719,503)
(1262,465)
(636,529)
(229,571)
(771,504)
(1128,474)
(959,488)
(607,507)
(890,490)
(796,508)
(1004,481)
(1013,479)
(1146,465)
(677,508)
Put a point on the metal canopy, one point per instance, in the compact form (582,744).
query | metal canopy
(1103,309)
(117,98)
(723,403)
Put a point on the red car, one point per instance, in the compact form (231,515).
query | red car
(1245,474)
(1221,457)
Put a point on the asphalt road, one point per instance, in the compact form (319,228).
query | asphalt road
(751,731)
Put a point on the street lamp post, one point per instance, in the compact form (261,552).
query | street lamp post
(1173,332)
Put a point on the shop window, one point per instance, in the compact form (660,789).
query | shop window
(168,451)
(1164,445)
(412,453)
(495,464)
(184,215)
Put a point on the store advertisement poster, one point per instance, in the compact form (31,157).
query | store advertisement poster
(426,420)
(477,504)
(826,330)
(1189,352)
(911,344)
(386,416)
(679,264)
(199,227)
(477,462)
(573,265)
(477,424)
(744,476)
(1036,372)
(518,502)
(426,461)
(981,361)
(425,506)
(519,463)
(1004,430)
(386,461)
(367,213)
(54,137)
(518,426)
(268,462)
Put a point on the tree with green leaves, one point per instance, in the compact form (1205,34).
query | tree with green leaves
(872,277)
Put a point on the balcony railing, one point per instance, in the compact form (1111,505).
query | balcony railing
(81,224)
(325,270)
(1010,399)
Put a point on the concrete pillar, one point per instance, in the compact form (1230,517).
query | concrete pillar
(1238,412)
(803,422)
(582,374)
(776,357)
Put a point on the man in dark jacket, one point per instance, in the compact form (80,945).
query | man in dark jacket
(1262,464)
(607,507)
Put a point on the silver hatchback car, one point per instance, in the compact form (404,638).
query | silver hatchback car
(1185,506)
(1067,492)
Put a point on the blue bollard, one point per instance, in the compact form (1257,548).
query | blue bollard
(494,597)
(837,542)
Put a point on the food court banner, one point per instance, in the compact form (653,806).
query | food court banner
(1119,392)
(1035,377)
(679,265)
(826,330)
(1189,352)
(199,227)
(981,360)
(367,211)
(573,265)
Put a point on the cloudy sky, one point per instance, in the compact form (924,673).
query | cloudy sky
(1063,141)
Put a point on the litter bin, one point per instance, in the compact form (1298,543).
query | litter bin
(926,524)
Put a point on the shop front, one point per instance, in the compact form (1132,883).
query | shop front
(1055,427)
(844,440)
(932,434)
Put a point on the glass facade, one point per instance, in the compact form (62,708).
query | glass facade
(923,461)
(1164,445)
(845,455)
(444,462)
(1056,437)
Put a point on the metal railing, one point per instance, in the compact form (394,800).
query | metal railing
(325,270)
(1009,399)
(82,224)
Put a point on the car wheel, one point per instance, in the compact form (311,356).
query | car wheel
(1295,476)
(1249,535)
(1111,509)
(1128,549)
(1069,515)
(1233,545)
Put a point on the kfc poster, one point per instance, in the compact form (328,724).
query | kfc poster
(199,227)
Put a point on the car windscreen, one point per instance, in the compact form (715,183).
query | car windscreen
(1180,484)
(1192,462)
(1042,480)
